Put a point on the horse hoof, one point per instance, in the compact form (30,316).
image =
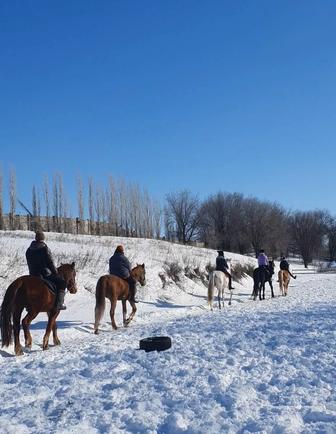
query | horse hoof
(45,347)
(57,342)
(19,352)
(96,332)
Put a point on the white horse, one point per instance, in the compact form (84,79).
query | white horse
(219,280)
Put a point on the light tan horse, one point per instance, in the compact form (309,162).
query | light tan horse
(114,288)
(219,280)
(284,279)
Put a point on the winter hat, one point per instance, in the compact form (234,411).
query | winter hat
(39,236)
(220,252)
(120,249)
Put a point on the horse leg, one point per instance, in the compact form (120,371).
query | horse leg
(52,317)
(219,299)
(271,285)
(54,330)
(124,312)
(134,309)
(112,310)
(25,325)
(16,328)
(230,297)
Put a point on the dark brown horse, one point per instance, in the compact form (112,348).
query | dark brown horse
(114,288)
(33,294)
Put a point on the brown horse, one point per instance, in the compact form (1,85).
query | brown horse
(32,293)
(114,288)
(284,279)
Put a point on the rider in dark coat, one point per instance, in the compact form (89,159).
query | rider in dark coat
(222,265)
(284,265)
(120,266)
(41,265)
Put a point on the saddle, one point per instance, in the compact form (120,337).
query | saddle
(51,285)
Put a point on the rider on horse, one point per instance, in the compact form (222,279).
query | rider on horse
(120,266)
(262,259)
(284,265)
(222,265)
(263,262)
(41,265)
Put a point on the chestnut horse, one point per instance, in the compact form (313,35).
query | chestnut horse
(32,293)
(114,288)
(284,279)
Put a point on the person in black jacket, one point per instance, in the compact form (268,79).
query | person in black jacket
(284,265)
(222,265)
(40,264)
(120,266)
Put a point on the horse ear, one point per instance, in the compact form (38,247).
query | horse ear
(143,265)
(73,265)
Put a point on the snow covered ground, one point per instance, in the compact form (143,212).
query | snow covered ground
(261,367)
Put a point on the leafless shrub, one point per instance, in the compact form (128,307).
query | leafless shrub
(210,267)
(239,271)
(173,270)
(163,279)
(189,272)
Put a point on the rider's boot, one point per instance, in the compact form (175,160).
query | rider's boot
(132,290)
(230,283)
(60,300)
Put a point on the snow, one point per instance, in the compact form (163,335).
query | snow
(254,367)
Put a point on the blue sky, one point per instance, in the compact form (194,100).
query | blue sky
(238,96)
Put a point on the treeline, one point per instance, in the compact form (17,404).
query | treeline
(116,208)
(226,221)
(232,222)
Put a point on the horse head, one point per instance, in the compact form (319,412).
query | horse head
(68,273)
(139,274)
(271,267)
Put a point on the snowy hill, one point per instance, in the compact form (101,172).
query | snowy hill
(254,367)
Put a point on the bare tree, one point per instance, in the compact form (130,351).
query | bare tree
(12,198)
(111,204)
(36,209)
(46,197)
(80,203)
(183,211)
(330,223)
(222,222)
(307,230)
(90,206)
(56,205)
(157,218)
(34,202)
(100,208)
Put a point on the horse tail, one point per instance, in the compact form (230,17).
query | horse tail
(100,302)
(6,312)
(211,287)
